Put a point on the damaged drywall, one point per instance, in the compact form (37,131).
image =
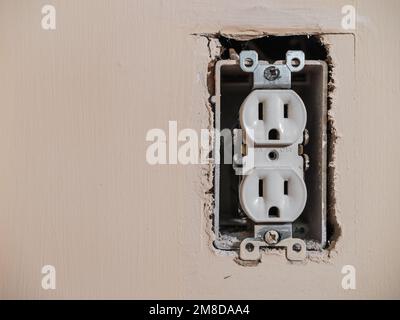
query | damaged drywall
(218,45)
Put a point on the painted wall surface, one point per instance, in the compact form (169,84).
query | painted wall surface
(76,191)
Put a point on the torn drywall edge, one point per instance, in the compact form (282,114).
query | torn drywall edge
(332,210)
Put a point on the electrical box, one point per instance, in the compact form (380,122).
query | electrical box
(271,164)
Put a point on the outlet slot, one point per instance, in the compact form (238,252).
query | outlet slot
(285,187)
(286,110)
(273,212)
(261,188)
(273,134)
(260,111)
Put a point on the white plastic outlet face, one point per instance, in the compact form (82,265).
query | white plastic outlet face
(273,117)
(273,195)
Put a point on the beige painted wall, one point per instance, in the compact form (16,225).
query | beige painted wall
(76,191)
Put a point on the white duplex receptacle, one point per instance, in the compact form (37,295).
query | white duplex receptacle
(274,190)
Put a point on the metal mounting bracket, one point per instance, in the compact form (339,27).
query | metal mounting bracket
(250,249)
(271,76)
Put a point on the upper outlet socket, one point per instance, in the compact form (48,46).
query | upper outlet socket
(273,117)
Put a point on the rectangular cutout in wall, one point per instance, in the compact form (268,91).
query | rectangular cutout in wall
(232,224)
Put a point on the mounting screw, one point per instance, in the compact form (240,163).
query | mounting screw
(250,247)
(271,73)
(306,161)
(306,137)
(297,247)
(271,237)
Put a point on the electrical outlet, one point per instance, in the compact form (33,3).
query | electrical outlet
(273,117)
(274,192)
(273,195)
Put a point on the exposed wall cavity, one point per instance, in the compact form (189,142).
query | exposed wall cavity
(274,48)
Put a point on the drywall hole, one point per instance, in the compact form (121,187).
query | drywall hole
(234,80)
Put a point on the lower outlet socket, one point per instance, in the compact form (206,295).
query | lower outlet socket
(271,195)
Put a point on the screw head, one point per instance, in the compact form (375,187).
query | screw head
(306,137)
(296,247)
(271,237)
(250,247)
(271,73)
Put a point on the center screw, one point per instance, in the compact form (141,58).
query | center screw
(271,73)
(271,237)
